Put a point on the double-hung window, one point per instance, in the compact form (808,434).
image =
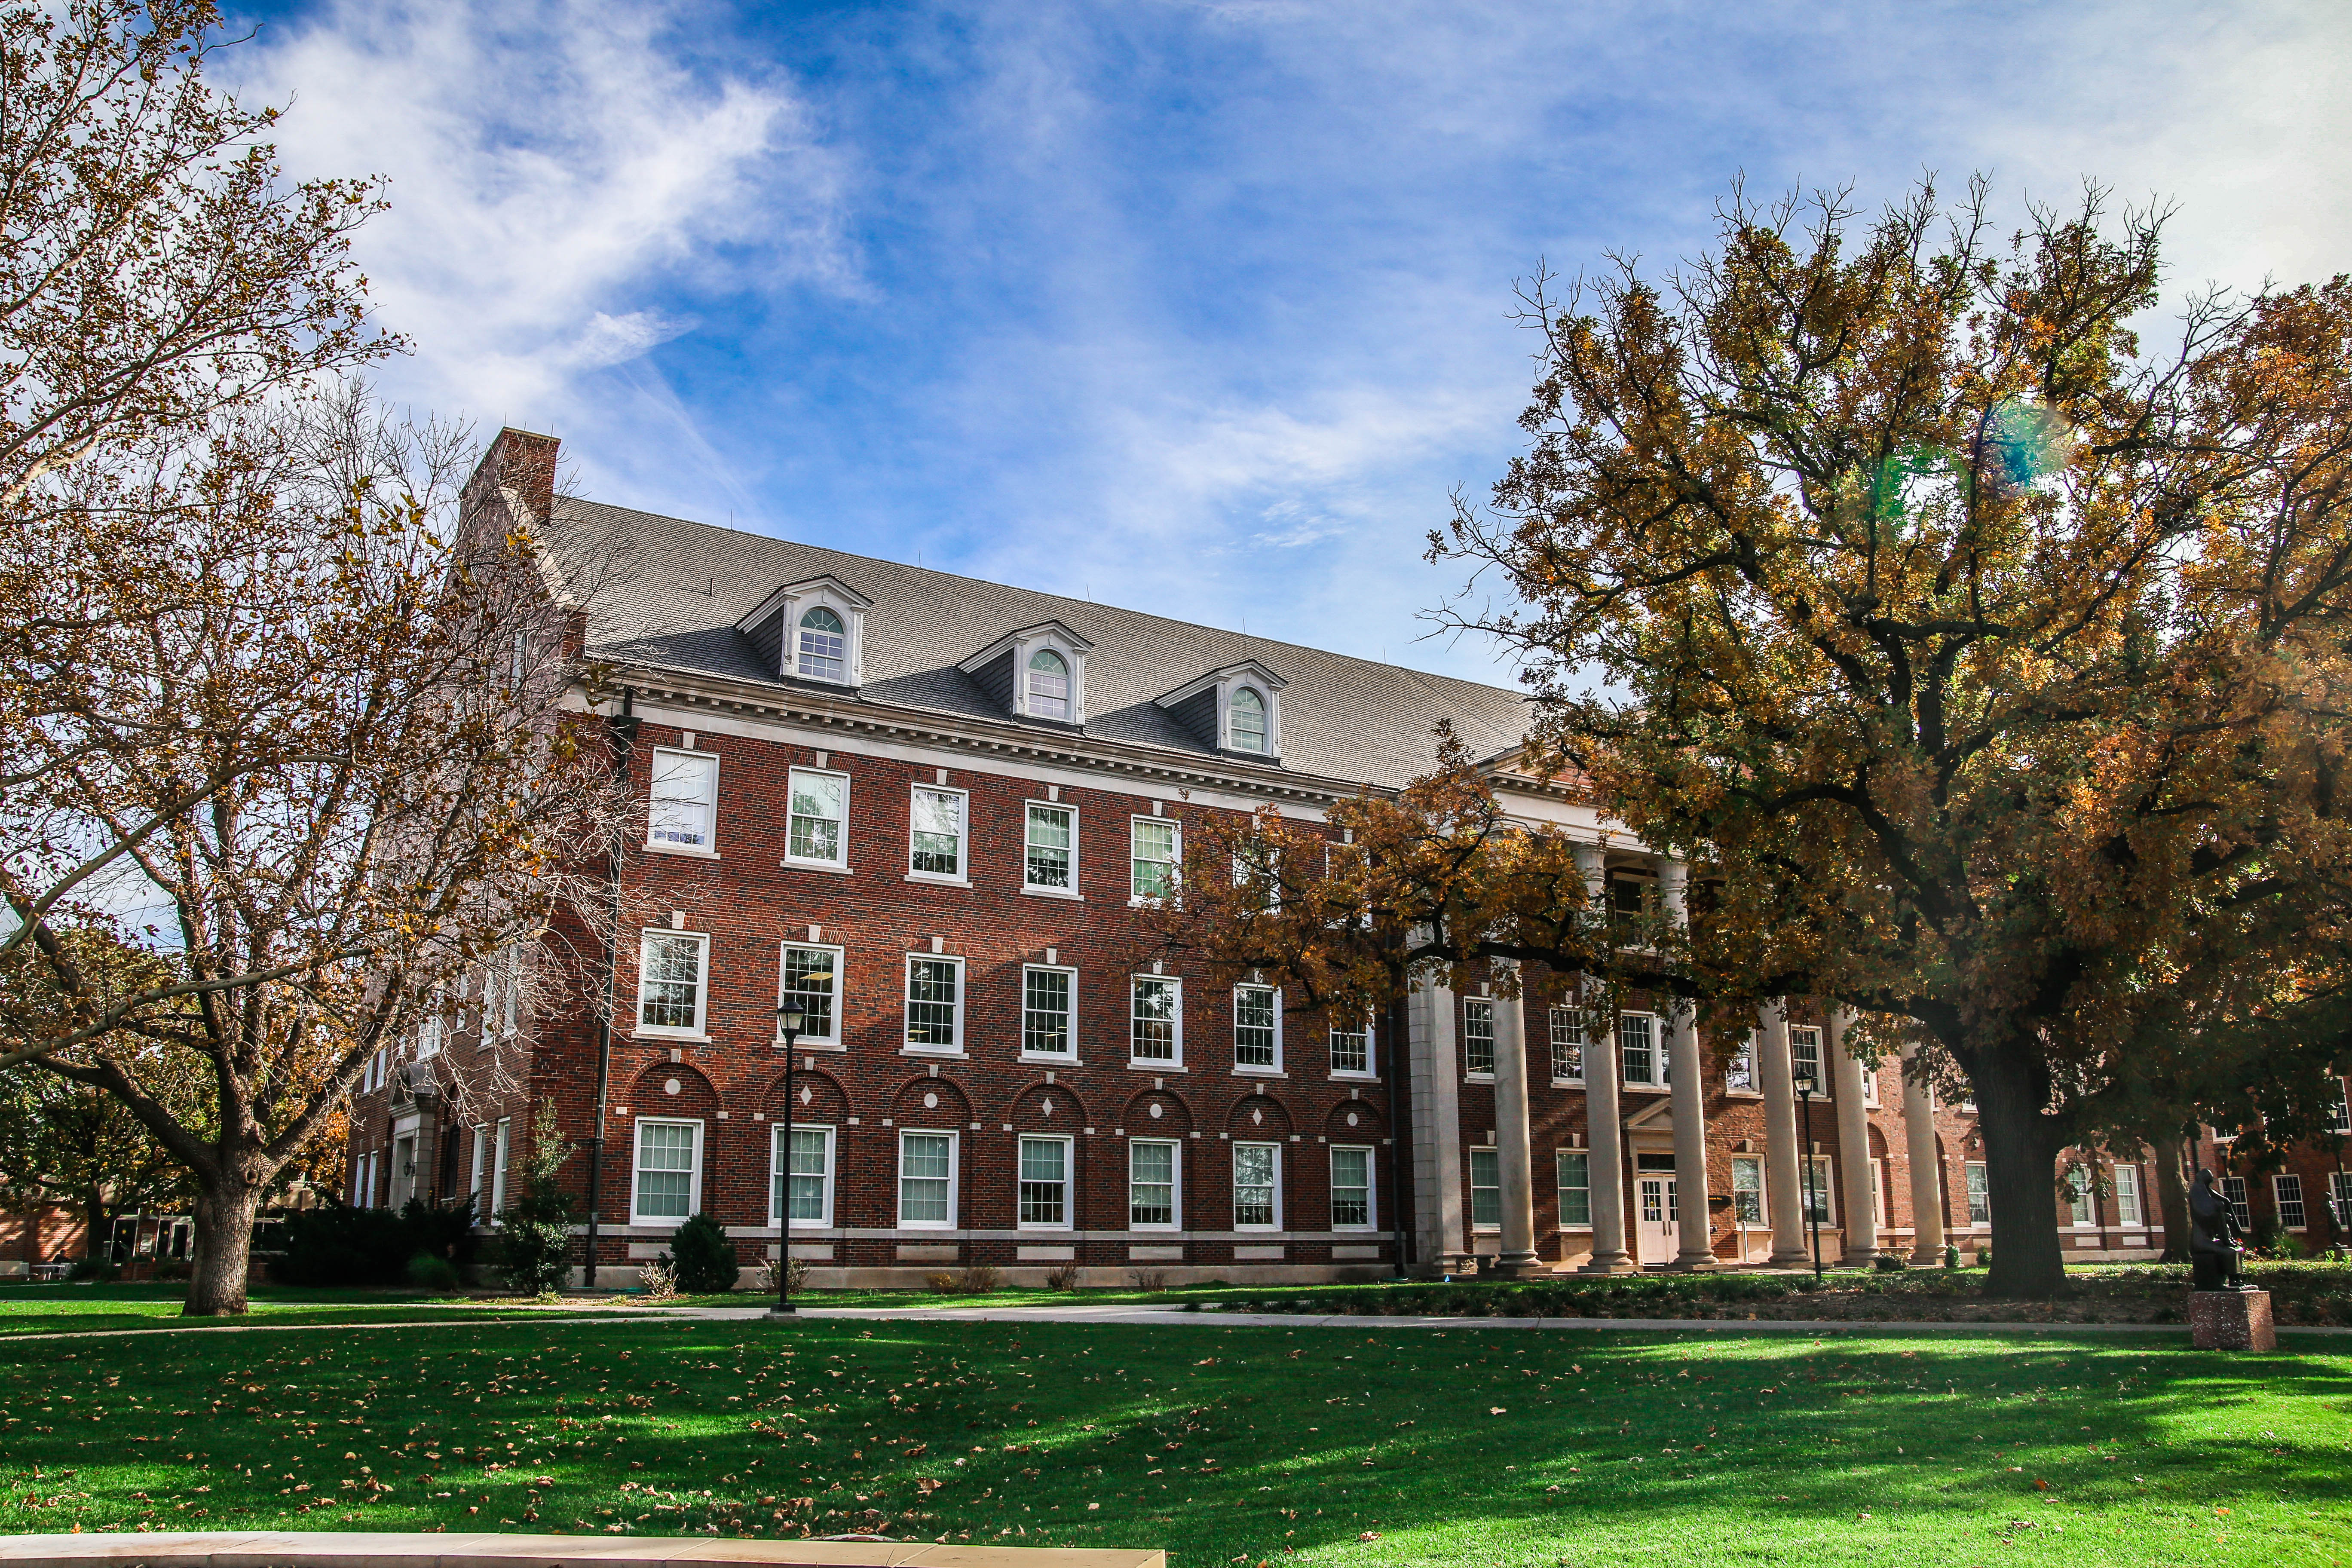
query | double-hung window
(800,1176)
(685,808)
(1257,1027)
(1478,1037)
(1572,1173)
(1351,1188)
(2286,1191)
(1151,1165)
(1747,1189)
(1049,686)
(1156,1019)
(1048,1003)
(1637,1047)
(1045,1195)
(1049,860)
(1155,845)
(1739,1072)
(1979,1194)
(1351,1048)
(672,983)
(2339,1184)
(934,1003)
(1819,1203)
(814,835)
(2127,1205)
(669,1186)
(1805,1059)
(1246,720)
(824,649)
(499,1166)
(2234,1189)
(810,975)
(1485,1189)
(2339,1116)
(1567,1046)
(1257,1185)
(2078,1197)
(481,1164)
(927,1180)
(936,835)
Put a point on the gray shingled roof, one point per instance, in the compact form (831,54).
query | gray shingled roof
(685,586)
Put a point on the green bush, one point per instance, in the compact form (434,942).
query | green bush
(703,1256)
(337,1245)
(534,1245)
(95,1271)
(427,1272)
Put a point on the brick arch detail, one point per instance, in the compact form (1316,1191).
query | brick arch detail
(1025,1109)
(1174,1120)
(1243,1121)
(828,1099)
(1369,1122)
(955,1106)
(650,1093)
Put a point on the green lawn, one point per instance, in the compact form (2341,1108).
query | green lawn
(1218,1443)
(83,1308)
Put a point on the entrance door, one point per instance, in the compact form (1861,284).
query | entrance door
(1655,1236)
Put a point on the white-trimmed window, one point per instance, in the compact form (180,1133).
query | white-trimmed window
(2128,1210)
(1048,1009)
(1818,1194)
(481,1165)
(1740,1071)
(2234,1189)
(1567,1044)
(684,813)
(815,832)
(1979,1190)
(935,834)
(1747,1189)
(429,1028)
(2339,1115)
(1485,1189)
(806,1174)
(823,647)
(1351,1048)
(1869,1085)
(2340,1183)
(672,983)
(926,1181)
(934,1003)
(1155,846)
(1257,1028)
(1805,1059)
(668,1185)
(1049,686)
(1637,1048)
(499,1166)
(1572,1173)
(1156,1019)
(1049,857)
(1153,1187)
(1477,1036)
(2286,1192)
(1044,1195)
(1257,1186)
(1878,1194)
(1246,720)
(1351,1187)
(810,974)
(2078,1198)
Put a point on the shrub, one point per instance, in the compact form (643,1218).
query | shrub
(338,1245)
(944,1284)
(95,1271)
(1065,1278)
(659,1281)
(429,1272)
(1150,1279)
(534,1251)
(1888,1263)
(704,1258)
(979,1278)
(796,1270)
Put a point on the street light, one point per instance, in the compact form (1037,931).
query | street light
(789,1017)
(1806,1085)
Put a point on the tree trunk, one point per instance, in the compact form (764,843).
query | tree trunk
(2021,1179)
(224,1211)
(2172,1198)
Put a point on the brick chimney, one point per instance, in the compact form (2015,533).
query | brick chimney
(521,466)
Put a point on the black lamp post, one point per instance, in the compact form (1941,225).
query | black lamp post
(1806,1085)
(789,1016)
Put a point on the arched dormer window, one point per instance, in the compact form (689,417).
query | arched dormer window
(1248,720)
(824,646)
(1049,684)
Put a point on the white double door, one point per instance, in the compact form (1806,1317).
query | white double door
(1656,1237)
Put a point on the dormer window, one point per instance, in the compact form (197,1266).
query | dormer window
(1049,686)
(1236,710)
(1247,721)
(824,645)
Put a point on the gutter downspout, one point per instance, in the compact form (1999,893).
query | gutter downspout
(624,730)
(1400,1160)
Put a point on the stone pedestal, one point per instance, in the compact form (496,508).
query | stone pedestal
(2231,1320)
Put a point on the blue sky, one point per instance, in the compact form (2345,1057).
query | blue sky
(1200,308)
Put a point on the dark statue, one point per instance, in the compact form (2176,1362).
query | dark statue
(2215,1249)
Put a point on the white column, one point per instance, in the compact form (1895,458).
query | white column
(1514,1162)
(1694,1242)
(1603,1123)
(1927,1171)
(1853,1143)
(1437,1092)
(1783,1192)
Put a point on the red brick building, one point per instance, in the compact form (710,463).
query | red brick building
(926,809)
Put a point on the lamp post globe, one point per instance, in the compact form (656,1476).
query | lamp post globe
(790,1019)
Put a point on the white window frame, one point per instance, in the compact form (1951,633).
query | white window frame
(1477,1007)
(637,1216)
(1657,1078)
(1069,1015)
(1763,1217)
(776,1174)
(839,861)
(2131,1207)
(1740,1071)
(955,1179)
(1869,1085)
(1968,1192)
(2339,1193)
(832,1039)
(1274,998)
(1273,1149)
(1175,1220)
(961,876)
(2082,1212)
(1878,1199)
(906,995)
(1370,1070)
(499,1153)
(1069,1183)
(1265,745)
(1824,1188)
(481,1159)
(1812,1033)
(1562,1187)
(1028,883)
(1026,677)
(1176,1044)
(2280,1181)
(1564,1020)
(1372,1188)
(699,1028)
(1491,1158)
(705,803)
(800,630)
(2234,1189)
(1175,863)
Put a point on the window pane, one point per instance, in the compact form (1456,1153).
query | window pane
(1477,1036)
(1049,686)
(1253,1183)
(931,984)
(1047,864)
(665,1170)
(2127,1194)
(1248,720)
(809,1148)
(1575,1178)
(815,833)
(1153,852)
(1485,1188)
(823,647)
(685,791)
(2287,1187)
(938,818)
(923,1174)
(1979,1196)
(2234,1189)
(1739,1072)
(1045,1011)
(1816,1195)
(1747,1190)
(1152,1184)
(1254,1020)
(1567,1044)
(1043,1172)
(1638,1044)
(1351,1187)
(1154,1018)
(1352,1051)
(672,981)
(809,979)
(1805,1057)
